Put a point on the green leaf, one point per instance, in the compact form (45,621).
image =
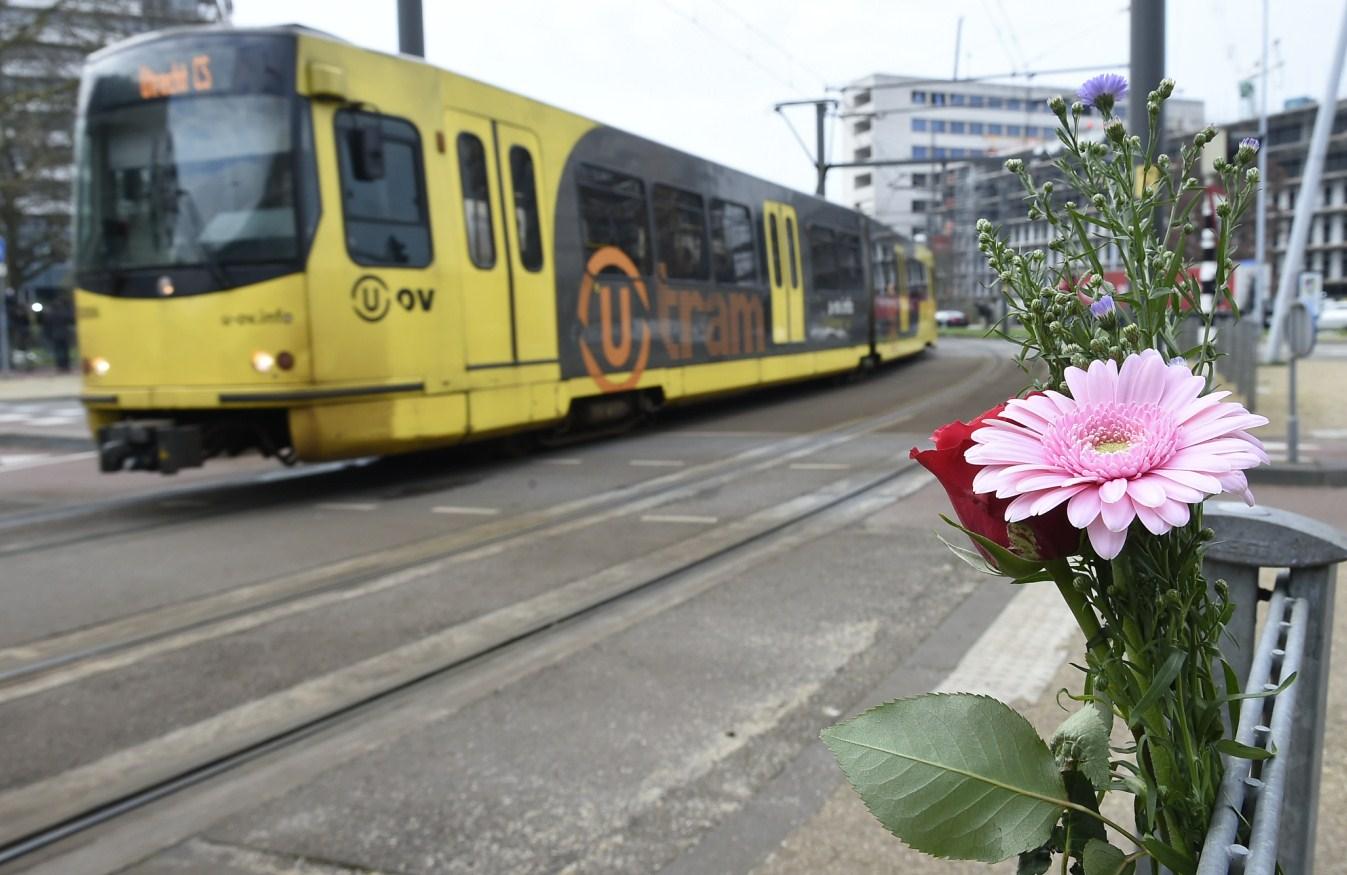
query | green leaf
(953,775)
(1160,684)
(971,558)
(1035,862)
(1081,827)
(1243,751)
(1006,562)
(1180,864)
(1081,743)
(1101,858)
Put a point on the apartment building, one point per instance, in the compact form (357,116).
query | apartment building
(888,117)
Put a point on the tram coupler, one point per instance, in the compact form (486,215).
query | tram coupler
(149,445)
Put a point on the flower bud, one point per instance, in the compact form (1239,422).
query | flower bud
(984,225)
(1057,328)
(1115,131)
(1077,109)
(1188,228)
(1248,147)
(1222,589)
(1099,346)
(1099,201)
(1115,352)
(1082,583)
(1206,535)
(1135,141)
(1131,332)
(1252,175)
(1035,213)
(1162,161)
(1166,88)
(1047,187)
(1014,165)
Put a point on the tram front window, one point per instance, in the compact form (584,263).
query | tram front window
(188,183)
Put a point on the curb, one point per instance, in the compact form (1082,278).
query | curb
(34,399)
(1301,474)
(46,441)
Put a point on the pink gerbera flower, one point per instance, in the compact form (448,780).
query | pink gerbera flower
(1136,443)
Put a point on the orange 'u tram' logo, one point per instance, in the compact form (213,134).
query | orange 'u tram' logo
(617,339)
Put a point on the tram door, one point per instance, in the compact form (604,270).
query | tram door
(487,324)
(782,233)
(533,298)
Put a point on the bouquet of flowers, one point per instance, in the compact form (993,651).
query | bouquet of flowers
(1093,481)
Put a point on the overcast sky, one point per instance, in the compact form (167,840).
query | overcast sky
(702,75)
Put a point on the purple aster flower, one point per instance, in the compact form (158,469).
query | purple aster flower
(1102,307)
(1103,91)
(1249,143)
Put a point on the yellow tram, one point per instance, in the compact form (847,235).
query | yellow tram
(290,244)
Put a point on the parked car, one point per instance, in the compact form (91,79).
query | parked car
(951,318)
(1333,316)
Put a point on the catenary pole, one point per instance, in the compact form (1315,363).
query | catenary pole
(1147,66)
(1308,198)
(1260,220)
(411,28)
(820,158)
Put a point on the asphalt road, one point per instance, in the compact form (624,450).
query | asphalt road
(583,659)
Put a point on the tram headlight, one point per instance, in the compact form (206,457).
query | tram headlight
(98,366)
(263,362)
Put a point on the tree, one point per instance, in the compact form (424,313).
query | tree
(42,48)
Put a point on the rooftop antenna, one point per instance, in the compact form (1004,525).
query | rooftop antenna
(958,44)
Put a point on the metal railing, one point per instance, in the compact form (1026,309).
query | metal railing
(1252,828)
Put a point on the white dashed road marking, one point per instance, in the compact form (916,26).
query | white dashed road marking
(679,518)
(560,461)
(819,466)
(656,463)
(345,505)
(469,511)
(41,461)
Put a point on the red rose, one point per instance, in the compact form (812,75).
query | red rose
(1052,535)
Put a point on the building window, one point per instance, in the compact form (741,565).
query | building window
(919,180)
(387,221)
(957,100)
(861,98)
(1014,104)
(862,180)
(975,127)
(976,100)
(612,213)
(920,152)
(995,103)
(526,208)
(957,152)
(938,125)
(861,126)
(680,230)
(919,124)
(1031,131)
(732,250)
(918,96)
(937,98)
(864,153)
(1013,130)
(919,206)
(993,129)
(956,127)
(941,152)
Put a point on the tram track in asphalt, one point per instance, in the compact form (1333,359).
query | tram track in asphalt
(36,666)
(507,641)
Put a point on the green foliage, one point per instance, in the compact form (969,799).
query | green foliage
(957,776)
(1101,858)
(1082,743)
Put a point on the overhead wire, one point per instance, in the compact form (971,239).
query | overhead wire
(766,38)
(725,41)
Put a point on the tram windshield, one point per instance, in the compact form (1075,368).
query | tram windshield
(180,173)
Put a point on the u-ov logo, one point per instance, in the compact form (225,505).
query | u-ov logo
(616,330)
(370,298)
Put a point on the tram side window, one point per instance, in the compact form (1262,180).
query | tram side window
(733,252)
(794,258)
(850,273)
(387,220)
(613,213)
(776,251)
(476,200)
(526,208)
(916,277)
(823,255)
(680,230)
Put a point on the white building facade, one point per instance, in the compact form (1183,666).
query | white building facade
(887,117)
